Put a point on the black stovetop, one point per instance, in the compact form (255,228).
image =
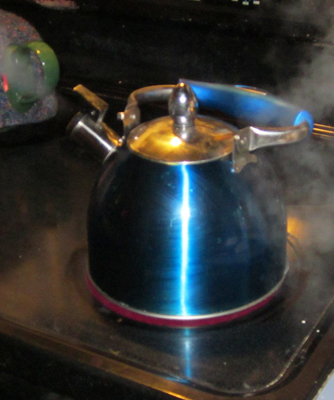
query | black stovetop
(50,319)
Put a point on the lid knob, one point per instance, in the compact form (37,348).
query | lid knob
(182,106)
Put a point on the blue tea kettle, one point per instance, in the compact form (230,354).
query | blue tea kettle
(186,224)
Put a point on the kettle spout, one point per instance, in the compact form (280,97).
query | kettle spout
(93,132)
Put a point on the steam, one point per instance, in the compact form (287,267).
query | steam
(310,173)
(313,88)
(308,168)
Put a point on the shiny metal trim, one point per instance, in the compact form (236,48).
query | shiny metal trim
(90,129)
(131,115)
(180,321)
(182,107)
(98,136)
(156,141)
(99,106)
(130,118)
(149,94)
(252,138)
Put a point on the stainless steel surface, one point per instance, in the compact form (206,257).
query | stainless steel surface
(252,138)
(187,319)
(131,114)
(156,140)
(150,94)
(182,137)
(100,107)
(182,107)
(130,118)
(189,139)
(89,129)
(100,138)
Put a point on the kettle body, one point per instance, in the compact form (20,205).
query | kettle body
(186,225)
(185,242)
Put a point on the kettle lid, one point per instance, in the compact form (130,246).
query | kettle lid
(182,137)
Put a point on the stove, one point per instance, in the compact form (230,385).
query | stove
(56,343)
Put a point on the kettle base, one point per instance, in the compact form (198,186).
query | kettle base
(176,321)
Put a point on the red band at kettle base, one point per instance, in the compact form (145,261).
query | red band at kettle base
(174,321)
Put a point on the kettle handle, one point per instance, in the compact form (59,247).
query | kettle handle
(252,106)
(297,124)
(246,104)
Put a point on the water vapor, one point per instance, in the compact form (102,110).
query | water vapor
(313,87)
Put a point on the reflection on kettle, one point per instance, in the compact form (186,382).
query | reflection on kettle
(186,225)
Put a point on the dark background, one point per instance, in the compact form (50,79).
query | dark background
(281,46)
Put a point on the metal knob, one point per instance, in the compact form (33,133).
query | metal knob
(183,105)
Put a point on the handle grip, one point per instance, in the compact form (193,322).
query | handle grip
(254,107)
